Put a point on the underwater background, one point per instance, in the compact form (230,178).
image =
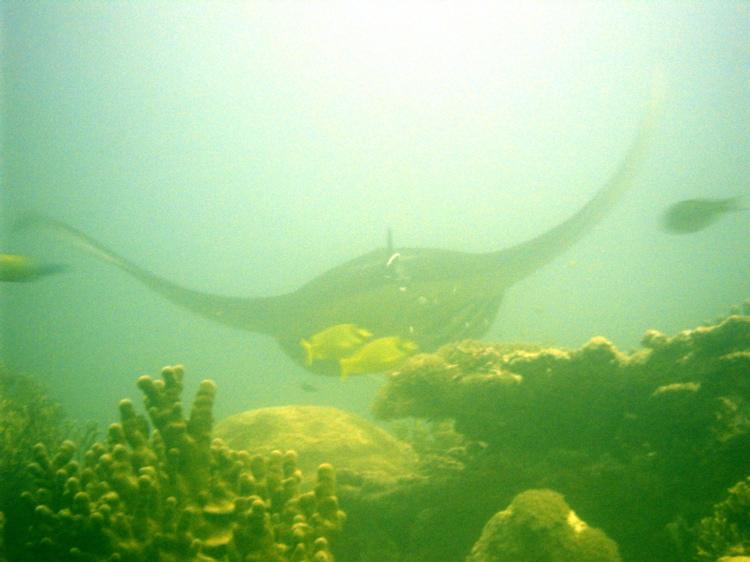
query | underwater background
(244,148)
(247,148)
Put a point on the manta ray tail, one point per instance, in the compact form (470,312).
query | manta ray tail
(523,259)
(253,314)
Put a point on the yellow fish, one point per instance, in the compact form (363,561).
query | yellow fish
(16,268)
(377,356)
(334,342)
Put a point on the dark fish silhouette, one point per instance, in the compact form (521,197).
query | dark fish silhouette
(307,387)
(427,296)
(693,215)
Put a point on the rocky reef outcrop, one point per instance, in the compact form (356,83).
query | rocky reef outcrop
(725,534)
(643,444)
(539,525)
(162,489)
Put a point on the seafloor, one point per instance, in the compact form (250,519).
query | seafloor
(495,452)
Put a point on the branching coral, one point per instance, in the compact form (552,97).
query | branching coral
(27,416)
(172,494)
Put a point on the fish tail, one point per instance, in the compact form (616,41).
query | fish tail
(309,351)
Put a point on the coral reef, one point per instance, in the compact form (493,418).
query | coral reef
(539,525)
(666,426)
(644,444)
(27,416)
(171,494)
(725,535)
(2,537)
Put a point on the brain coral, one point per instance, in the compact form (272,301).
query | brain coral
(321,434)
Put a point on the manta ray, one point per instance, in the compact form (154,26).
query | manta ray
(429,296)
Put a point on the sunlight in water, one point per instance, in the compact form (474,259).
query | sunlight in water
(416,45)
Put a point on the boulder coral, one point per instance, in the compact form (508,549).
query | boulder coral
(166,491)
(358,448)
(539,525)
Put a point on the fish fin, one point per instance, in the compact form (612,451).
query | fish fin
(52,268)
(362,332)
(309,351)
(345,367)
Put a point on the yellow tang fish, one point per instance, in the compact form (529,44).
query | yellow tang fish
(377,356)
(334,342)
(16,268)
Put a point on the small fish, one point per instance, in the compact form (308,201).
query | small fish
(334,342)
(308,387)
(16,268)
(377,356)
(693,215)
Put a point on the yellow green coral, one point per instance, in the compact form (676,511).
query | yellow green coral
(27,416)
(170,493)
(539,525)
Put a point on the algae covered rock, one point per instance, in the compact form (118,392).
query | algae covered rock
(539,525)
(725,535)
(321,434)
(643,442)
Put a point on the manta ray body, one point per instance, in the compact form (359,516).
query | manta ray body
(425,295)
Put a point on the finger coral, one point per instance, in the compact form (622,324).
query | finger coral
(27,416)
(160,489)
